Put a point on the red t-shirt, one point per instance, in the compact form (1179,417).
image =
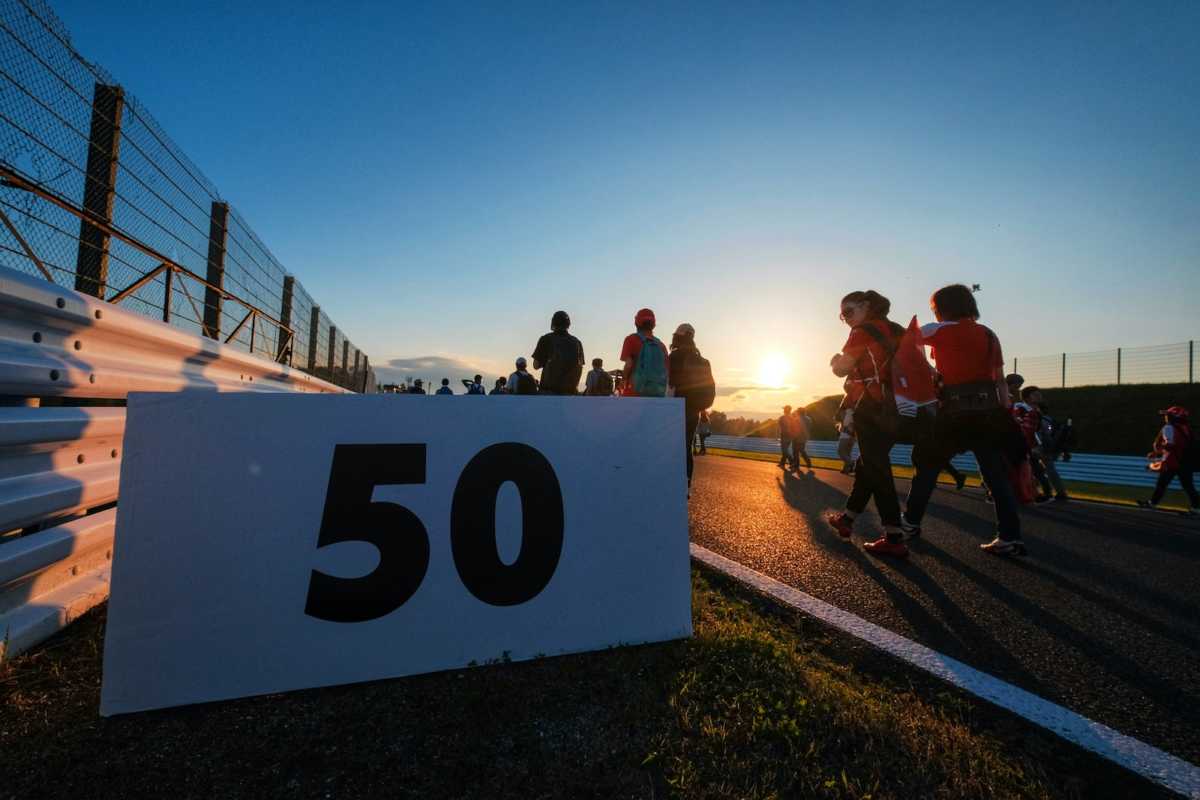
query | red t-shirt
(961,351)
(630,349)
(872,362)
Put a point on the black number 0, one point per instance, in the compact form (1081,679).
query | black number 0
(403,543)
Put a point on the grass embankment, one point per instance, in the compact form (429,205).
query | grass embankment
(1173,500)
(760,703)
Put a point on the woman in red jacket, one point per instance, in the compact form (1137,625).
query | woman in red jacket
(1176,449)
(865,363)
(974,412)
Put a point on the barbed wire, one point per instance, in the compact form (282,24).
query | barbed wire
(69,134)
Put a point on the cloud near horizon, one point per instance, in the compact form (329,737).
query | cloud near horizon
(433,368)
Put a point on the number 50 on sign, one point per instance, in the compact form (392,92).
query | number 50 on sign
(275,542)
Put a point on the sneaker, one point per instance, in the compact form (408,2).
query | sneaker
(960,482)
(1146,504)
(1004,547)
(910,531)
(1061,498)
(841,522)
(883,547)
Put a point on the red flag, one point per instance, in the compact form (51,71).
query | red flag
(912,375)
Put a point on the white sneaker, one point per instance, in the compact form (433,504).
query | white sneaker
(1004,547)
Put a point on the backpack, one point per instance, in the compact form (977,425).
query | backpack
(888,416)
(603,387)
(562,370)
(525,384)
(696,384)
(650,373)
(476,388)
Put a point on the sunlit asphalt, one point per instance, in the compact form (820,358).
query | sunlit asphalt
(1103,616)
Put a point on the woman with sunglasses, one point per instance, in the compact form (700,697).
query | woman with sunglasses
(865,363)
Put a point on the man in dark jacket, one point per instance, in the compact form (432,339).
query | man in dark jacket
(689,376)
(559,356)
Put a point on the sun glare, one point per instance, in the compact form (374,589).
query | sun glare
(773,369)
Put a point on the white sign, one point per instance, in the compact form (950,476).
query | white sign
(275,542)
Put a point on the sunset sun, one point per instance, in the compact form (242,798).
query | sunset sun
(773,369)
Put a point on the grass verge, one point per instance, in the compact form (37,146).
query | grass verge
(1173,500)
(761,703)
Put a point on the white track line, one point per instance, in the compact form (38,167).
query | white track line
(1150,762)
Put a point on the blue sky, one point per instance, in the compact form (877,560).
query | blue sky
(443,177)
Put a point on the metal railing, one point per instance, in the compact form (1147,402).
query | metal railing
(95,196)
(1165,363)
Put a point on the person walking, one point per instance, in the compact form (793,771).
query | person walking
(703,431)
(785,437)
(559,356)
(521,382)
(974,414)
(845,442)
(801,429)
(598,382)
(1175,454)
(644,358)
(690,377)
(445,388)
(865,360)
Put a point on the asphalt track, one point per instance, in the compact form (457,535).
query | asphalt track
(1102,617)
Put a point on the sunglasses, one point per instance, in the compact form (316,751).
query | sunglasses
(849,311)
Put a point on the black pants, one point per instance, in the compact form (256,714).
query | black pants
(799,452)
(1165,476)
(783,452)
(873,472)
(982,434)
(690,420)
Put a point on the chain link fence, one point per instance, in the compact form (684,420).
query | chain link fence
(95,196)
(1166,363)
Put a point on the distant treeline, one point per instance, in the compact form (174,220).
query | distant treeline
(1119,420)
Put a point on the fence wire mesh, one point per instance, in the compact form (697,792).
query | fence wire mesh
(69,135)
(1165,363)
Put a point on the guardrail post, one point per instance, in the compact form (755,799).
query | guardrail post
(354,375)
(99,188)
(1118,366)
(285,318)
(168,277)
(332,348)
(314,329)
(217,225)
(1064,370)
(1015,364)
(345,363)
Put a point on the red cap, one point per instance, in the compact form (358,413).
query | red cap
(642,317)
(1175,411)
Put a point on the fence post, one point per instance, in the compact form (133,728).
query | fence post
(354,375)
(1118,366)
(1015,364)
(329,366)
(217,224)
(168,277)
(345,361)
(285,317)
(99,188)
(314,329)
(366,373)
(1064,370)
(1191,358)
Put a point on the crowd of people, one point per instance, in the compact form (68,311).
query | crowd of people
(962,402)
(650,368)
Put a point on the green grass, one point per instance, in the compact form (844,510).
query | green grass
(761,703)
(1174,499)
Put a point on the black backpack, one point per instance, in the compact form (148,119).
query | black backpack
(696,385)
(562,370)
(525,384)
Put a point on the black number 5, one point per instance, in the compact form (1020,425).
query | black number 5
(351,516)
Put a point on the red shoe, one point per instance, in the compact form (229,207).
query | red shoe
(840,522)
(882,547)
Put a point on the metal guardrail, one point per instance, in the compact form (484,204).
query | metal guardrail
(60,464)
(1086,467)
